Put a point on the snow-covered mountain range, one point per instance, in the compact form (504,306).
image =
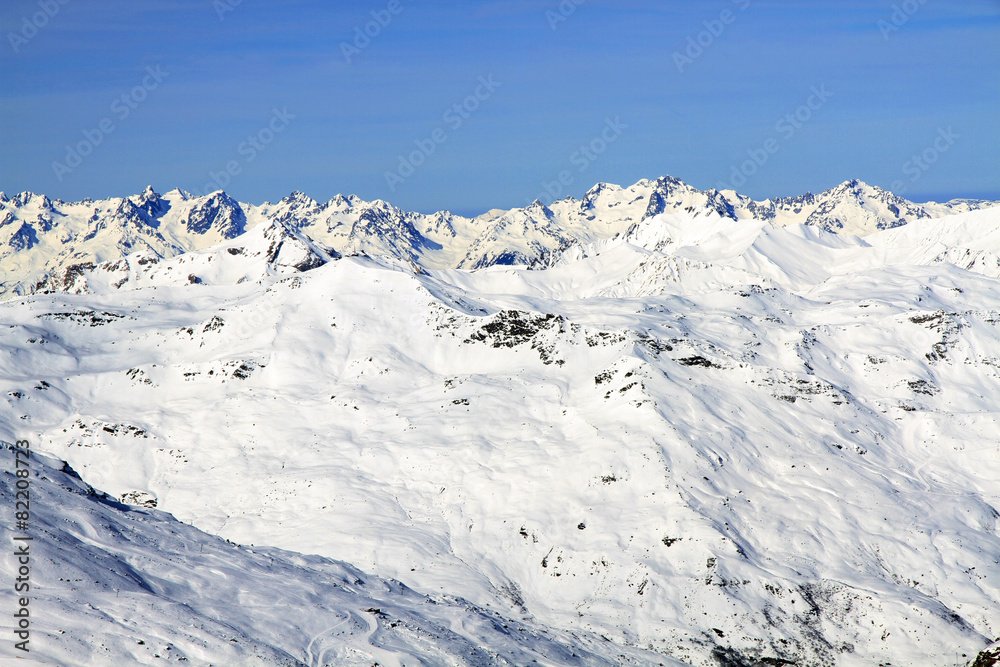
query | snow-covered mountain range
(653,426)
(46,243)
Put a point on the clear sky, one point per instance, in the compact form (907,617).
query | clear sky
(776,97)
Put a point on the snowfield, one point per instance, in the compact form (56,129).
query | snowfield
(688,437)
(117,585)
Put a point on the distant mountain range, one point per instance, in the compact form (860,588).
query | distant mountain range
(46,244)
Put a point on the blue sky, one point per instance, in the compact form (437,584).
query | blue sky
(776,97)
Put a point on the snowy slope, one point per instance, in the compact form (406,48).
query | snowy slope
(968,240)
(117,585)
(50,242)
(725,441)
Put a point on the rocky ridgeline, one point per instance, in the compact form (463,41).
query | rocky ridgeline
(46,244)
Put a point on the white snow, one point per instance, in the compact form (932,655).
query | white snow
(702,438)
(41,239)
(117,585)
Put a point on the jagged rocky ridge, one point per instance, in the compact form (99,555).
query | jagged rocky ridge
(45,244)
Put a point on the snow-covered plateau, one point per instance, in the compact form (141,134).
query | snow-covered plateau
(655,426)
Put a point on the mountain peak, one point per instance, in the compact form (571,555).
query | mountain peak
(298,195)
(180,222)
(217,211)
(855,185)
